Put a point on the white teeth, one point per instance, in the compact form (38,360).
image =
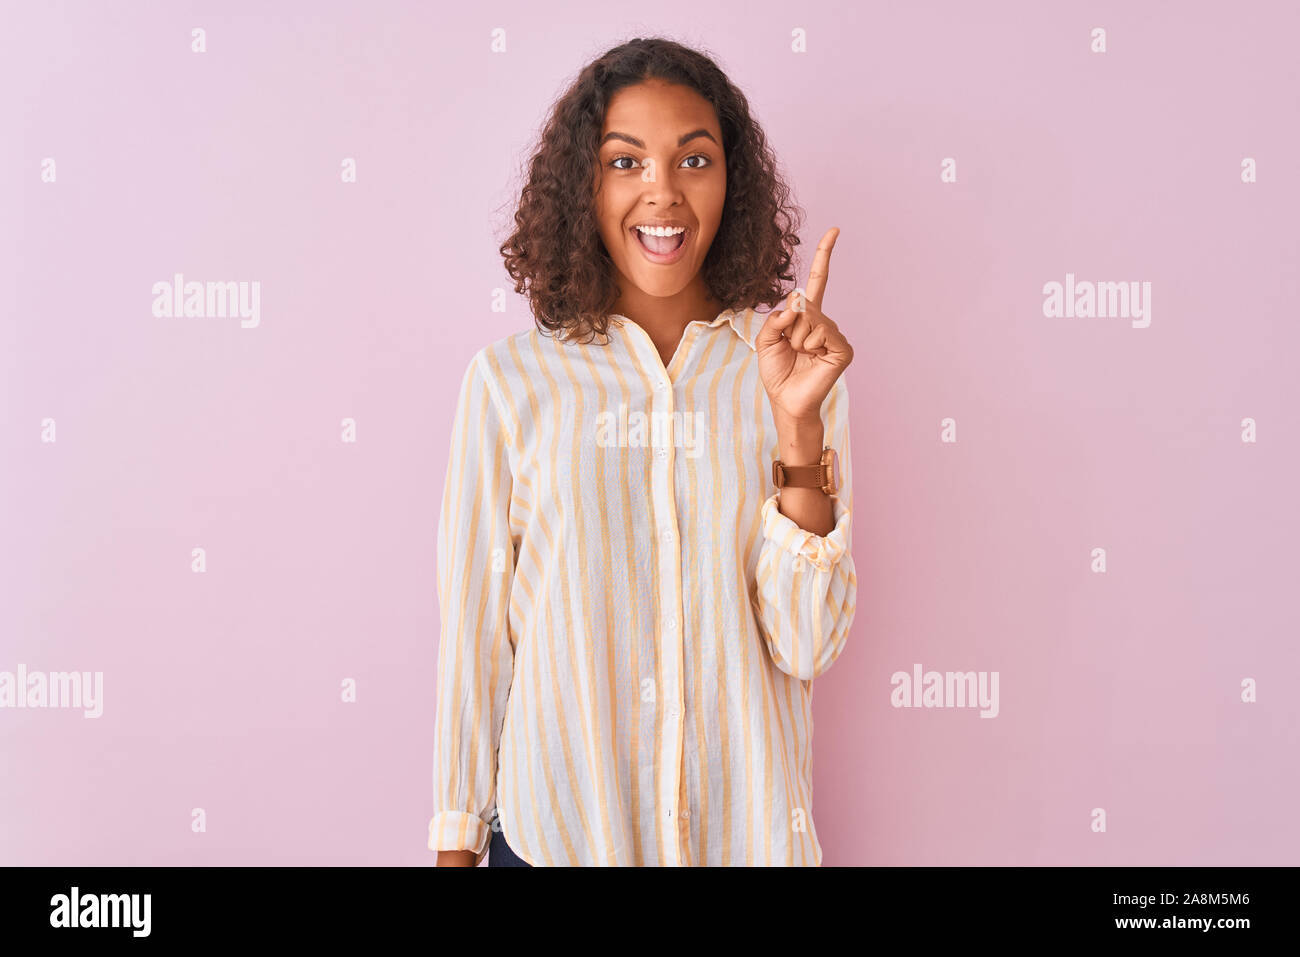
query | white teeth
(662,230)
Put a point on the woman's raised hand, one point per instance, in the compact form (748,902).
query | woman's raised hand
(801,352)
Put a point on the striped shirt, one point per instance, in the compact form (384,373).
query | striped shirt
(629,625)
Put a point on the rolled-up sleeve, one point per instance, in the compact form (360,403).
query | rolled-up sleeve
(476,562)
(806,590)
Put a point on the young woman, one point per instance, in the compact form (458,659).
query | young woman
(643,551)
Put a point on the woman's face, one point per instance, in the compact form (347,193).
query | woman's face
(660,160)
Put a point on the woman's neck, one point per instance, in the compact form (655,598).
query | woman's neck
(665,318)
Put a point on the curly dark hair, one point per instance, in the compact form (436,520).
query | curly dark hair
(556,255)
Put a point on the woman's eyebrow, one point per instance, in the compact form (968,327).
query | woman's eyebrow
(681,141)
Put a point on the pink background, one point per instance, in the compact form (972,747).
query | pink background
(221,690)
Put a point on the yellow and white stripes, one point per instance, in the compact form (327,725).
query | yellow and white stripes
(629,624)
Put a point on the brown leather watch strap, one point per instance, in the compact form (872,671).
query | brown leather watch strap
(798,476)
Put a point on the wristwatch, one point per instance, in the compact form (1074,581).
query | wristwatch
(825,475)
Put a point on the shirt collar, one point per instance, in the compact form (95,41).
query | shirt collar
(743,322)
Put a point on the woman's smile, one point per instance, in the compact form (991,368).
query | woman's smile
(660,249)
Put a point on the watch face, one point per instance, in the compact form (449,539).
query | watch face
(834,470)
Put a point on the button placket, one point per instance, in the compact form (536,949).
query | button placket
(669,635)
(671,638)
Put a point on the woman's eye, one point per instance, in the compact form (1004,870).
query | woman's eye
(618,159)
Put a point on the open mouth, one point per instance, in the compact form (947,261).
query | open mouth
(661,249)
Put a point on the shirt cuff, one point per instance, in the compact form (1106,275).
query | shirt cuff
(459,831)
(823,551)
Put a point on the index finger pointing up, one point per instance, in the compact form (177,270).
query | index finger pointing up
(821,266)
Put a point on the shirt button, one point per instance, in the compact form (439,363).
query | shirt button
(668,536)
(661,452)
(661,385)
(686,813)
(673,713)
(671,623)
